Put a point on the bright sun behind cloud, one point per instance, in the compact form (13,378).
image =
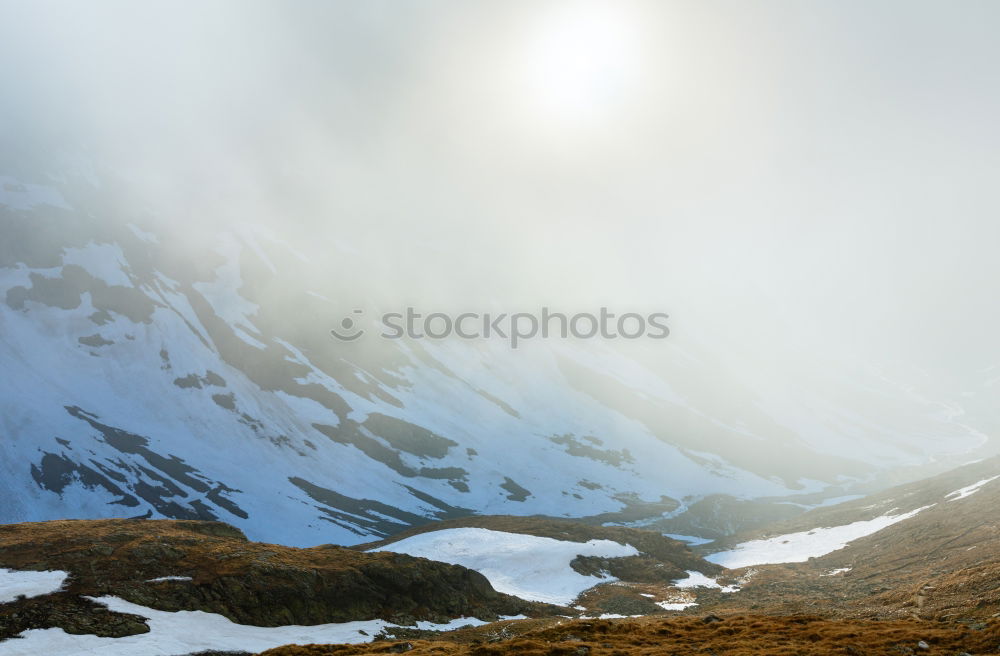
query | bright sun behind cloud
(580,61)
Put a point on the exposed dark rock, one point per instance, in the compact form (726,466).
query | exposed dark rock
(517,493)
(248,582)
(94,340)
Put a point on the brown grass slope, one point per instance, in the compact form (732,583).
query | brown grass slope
(893,500)
(943,563)
(248,582)
(740,635)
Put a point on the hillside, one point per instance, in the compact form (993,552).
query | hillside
(673,556)
(941,561)
(545,327)
(191,374)
(740,635)
(211,567)
(914,564)
(597,569)
(179,586)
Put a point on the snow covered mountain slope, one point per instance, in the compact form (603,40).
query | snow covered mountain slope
(160,373)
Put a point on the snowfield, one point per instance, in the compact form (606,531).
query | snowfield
(526,566)
(699,580)
(969,490)
(187,632)
(800,547)
(692,540)
(14,584)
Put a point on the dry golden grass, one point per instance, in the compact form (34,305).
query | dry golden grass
(733,636)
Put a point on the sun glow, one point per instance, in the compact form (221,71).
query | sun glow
(580,61)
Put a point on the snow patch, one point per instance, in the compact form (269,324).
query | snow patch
(690,539)
(800,547)
(224,296)
(527,566)
(969,490)
(103,261)
(14,584)
(699,580)
(19,195)
(143,235)
(187,632)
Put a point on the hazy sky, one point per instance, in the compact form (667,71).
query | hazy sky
(823,171)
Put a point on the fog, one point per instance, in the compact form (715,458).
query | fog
(776,173)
